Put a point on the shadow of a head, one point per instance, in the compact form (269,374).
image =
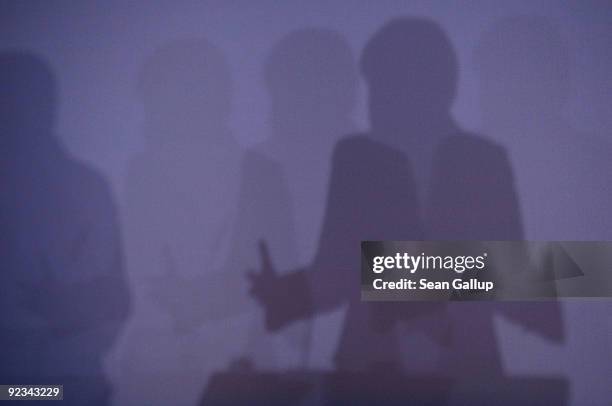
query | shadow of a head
(311,73)
(411,70)
(523,64)
(185,87)
(28,91)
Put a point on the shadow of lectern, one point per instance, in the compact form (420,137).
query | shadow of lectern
(380,386)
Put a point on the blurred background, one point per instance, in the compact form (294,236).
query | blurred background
(185,133)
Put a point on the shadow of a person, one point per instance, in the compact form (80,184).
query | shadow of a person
(462,188)
(372,195)
(182,187)
(563,176)
(63,297)
(311,77)
(196,203)
(179,208)
(465,181)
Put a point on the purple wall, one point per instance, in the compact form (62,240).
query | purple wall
(196,117)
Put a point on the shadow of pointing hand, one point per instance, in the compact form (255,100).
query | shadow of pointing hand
(267,287)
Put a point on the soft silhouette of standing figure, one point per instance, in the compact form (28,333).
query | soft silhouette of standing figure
(372,195)
(311,78)
(196,204)
(563,175)
(466,182)
(459,186)
(179,208)
(63,296)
